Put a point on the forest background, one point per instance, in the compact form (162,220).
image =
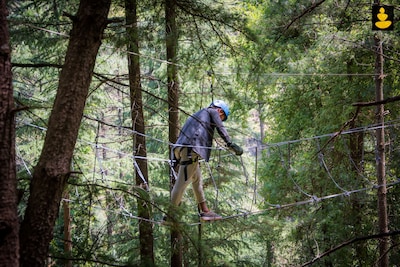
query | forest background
(101,89)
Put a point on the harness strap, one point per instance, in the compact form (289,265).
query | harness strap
(185,171)
(188,162)
(185,164)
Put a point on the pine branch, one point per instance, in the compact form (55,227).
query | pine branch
(349,242)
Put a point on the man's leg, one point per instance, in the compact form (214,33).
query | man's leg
(206,214)
(185,174)
(180,185)
(198,189)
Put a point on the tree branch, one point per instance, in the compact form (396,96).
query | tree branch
(308,10)
(375,103)
(333,137)
(349,242)
(36,65)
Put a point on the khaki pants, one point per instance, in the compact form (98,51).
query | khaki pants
(189,172)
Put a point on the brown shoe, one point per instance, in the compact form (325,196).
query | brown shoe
(210,216)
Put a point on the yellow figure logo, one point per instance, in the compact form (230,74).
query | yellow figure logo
(382,22)
(382,17)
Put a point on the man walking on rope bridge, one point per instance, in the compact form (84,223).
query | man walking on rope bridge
(194,142)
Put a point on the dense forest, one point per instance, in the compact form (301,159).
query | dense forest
(95,92)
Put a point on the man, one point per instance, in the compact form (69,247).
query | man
(194,143)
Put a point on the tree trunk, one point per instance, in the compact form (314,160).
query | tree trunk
(173,100)
(9,226)
(53,168)
(139,140)
(172,70)
(380,157)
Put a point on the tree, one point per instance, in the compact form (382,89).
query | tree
(53,168)
(171,45)
(381,157)
(139,139)
(9,226)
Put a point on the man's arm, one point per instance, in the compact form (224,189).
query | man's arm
(224,133)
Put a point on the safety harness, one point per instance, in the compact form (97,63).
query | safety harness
(187,162)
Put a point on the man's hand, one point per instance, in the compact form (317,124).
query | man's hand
(235,148)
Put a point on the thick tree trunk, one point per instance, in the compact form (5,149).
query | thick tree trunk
(139,142)
(173,100)
(53,169)
(9,226)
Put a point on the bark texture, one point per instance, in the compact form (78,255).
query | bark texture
(9,226)
(53,168)
(171,36)
(139,140)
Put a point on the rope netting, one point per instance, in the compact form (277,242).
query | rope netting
(236,185)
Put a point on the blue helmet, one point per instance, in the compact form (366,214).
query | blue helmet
(221,104)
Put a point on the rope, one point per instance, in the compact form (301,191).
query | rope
(323,164)
(215,185)
(244,170)
(255,178)
(23,161)
(366,128)
(356,167)
(370,127)
(211,75)
(288,167)
(126,213)
(312,200)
